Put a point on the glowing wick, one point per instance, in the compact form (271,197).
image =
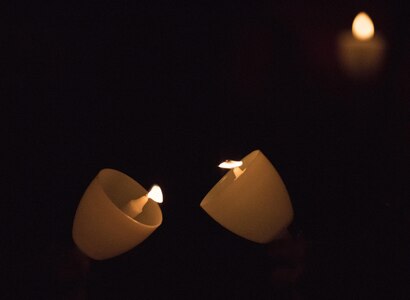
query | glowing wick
(134,207)
(233,164)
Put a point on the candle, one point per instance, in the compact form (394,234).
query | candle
(108,222)
(361,51)
(253,201)
(134,207)
(235,165)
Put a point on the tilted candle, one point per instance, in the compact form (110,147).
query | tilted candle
(101,229)
(254,205)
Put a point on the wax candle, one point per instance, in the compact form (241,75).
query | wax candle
(135,206)
(252,202)
(103,228)
(361,51)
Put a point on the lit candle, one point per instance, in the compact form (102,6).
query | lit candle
(107,223)
(233,164)
(134,207)
(251,201)
(361,51)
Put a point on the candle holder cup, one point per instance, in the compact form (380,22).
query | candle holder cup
(101,229)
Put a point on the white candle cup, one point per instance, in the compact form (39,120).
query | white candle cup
(255,205)
(361,57)
(101,229)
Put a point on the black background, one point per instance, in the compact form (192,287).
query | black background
(164,92)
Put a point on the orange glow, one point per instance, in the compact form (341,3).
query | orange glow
(362,27)
(155,194)
(230,164)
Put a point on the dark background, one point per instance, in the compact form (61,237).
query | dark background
(164,92)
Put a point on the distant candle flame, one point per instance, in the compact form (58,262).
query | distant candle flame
(155,194)
(362,27)
(230,164)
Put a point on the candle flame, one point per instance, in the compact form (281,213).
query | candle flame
(155,194)
(362,27)
(230,164)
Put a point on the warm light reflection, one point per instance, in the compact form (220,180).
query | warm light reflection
(362,27)
(230,164)
(155,194)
